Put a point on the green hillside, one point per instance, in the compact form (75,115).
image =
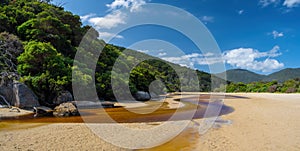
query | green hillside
(39,41)
(242,75)
(284,75)
(245,76)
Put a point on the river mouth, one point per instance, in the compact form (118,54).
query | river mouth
(123,115)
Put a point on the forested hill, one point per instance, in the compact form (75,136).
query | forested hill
(38,42)
(284,75)
(242,75)
(245,76)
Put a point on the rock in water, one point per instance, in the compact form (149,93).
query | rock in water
(65,110)
(142,96)
(24,97)
(42,111)
(62,97)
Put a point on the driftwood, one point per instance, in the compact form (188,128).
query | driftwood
(14,109)
(42,111)
(3,98)
(108,104)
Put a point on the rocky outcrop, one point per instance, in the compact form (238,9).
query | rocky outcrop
(142,96)
(6,88)
(65,110)
(24,97)
(18,94)
(63,97)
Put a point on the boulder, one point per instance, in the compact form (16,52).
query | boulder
(16,93)
(154,95)
(65,110)
(6,90)
(142,96)
(7,93)
(63,97)
(23,96)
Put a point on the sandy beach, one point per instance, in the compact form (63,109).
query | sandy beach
(258,122)
(262,122)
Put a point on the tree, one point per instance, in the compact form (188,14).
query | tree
(10,48)
(47,29)
(45,70)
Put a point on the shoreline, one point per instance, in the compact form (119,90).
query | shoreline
(259,122)
(8,113)
(172,103)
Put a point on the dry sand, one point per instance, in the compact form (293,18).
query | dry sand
(13,112)
(263,122)
(260,122)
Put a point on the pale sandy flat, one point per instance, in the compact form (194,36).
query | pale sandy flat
(260,122)
(264,122)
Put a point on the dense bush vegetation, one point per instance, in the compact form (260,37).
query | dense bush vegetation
(289,86)
(39,40)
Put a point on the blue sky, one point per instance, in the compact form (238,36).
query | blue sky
(258,35)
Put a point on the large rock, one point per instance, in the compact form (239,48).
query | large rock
(23,96)
(142,96)
(65,110)
(63,97)
(7,93)
(6,89)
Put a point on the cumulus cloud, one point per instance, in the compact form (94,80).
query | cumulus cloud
(265,3)
(251,59)
(133,5)
(143,51)
(114,18)
(291,3)
(190,60)
(277,34)
(240,12)
(106,35)
(286,3)
(246,58)
(161,54)
(184,60)
(207,19)
(87,17)
(109,21)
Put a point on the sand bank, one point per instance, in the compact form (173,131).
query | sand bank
(259,122)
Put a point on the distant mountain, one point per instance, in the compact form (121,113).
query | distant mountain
(242,75)
(245,76)
(283,75)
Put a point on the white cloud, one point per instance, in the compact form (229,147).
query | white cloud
(240,12)
(277,34)
(246,58)
(114,18)
(189,60)
(87,17)
(184,60)
(265,3)
(143,51)
(133,5)
(208,60)
(291,3)
(161,54)
(109,21)
(106,36)
(249,58)
(207,19)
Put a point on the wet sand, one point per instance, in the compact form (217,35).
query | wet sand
(259,122)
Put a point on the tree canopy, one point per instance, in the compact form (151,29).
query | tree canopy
(39,40)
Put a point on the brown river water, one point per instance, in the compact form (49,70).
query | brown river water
(122,115)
